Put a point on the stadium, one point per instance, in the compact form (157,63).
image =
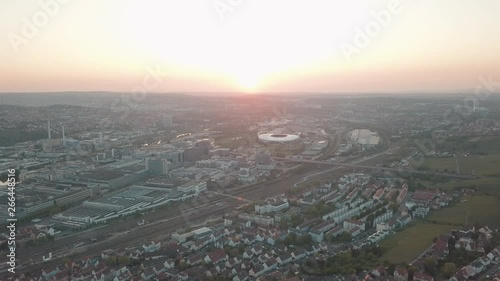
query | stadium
(273,137)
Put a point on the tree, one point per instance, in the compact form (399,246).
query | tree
(305,239)
(290,239)
(345,237)
(449,269)
(411,272)
(296,220)
(241,248)
(123,260)
(394,207)
(370,217)
(111,260)
(67,262)
(391,267)
(182,265)
(451,242)
(430,266)
(283,224)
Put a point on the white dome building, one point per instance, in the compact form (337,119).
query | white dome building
(272,137)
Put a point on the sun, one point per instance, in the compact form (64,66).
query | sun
(248,83)
(248,80)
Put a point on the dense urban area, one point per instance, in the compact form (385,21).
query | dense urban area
(256,187)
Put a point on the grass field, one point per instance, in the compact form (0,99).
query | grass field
(480,209)
(483,159)
(487,145)
(408,244)
(484,165)
(482,184)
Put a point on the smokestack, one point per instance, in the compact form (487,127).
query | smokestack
(63,136)
(48,127)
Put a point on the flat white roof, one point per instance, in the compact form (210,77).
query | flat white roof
(201,230)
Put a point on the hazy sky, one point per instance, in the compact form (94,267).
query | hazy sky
(253,45)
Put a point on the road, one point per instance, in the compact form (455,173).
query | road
(308,177)
(399,170)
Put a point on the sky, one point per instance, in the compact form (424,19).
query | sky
(248,46)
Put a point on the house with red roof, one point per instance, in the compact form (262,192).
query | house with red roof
(400,274)
(441,246)
(379,271)
(216,256)
(419,276)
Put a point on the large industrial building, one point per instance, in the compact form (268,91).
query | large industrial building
(113,178)
(126,202)
(365,138)
(157,166)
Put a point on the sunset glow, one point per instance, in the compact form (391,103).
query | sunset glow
(283,46)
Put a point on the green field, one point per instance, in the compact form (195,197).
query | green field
(478,209)
(484,165)
(408,244)
(483,156)
(487,145)
(486,184)
(475,145)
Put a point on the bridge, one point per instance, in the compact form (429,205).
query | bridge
(379,168)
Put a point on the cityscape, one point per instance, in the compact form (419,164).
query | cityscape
(237,169)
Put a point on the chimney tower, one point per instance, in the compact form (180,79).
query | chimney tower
(48,127)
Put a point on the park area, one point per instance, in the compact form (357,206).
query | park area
(408,244)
